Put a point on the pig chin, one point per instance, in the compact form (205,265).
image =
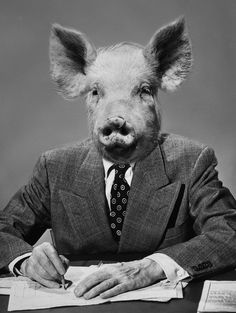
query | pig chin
(119,153)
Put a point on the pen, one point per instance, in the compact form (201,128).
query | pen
(54,244)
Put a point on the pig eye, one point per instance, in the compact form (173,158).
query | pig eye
(145,91)
(94,92)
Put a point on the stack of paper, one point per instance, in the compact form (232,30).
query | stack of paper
(218,296)
(28,295)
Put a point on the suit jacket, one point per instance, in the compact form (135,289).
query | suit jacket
(176,206)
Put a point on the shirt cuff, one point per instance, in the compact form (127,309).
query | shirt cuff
(12,266)
(173,271)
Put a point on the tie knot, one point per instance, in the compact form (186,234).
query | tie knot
(120,169)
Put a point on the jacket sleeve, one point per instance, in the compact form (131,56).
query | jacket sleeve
(213,211)
(26,216)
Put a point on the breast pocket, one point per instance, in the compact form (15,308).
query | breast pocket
(179,233)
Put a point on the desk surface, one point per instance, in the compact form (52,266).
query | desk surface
(189,304)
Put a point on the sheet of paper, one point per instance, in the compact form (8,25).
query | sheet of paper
(218,296)
(7,282)
(159,290)
(74,274)
(28,295)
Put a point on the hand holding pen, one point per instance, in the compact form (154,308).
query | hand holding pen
(45,266)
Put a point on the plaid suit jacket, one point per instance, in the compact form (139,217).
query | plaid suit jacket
(176,206)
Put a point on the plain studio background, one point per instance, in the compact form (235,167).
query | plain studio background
(34,118)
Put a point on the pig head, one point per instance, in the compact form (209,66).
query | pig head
(120,84)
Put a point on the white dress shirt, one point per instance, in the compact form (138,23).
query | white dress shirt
(172,270)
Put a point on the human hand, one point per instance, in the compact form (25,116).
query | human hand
(113,279)
(45,266)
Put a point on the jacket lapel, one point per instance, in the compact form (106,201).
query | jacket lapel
(88,191)
(151,201)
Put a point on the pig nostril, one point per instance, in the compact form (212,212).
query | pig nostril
(106,131)
(124,131)
(116,126)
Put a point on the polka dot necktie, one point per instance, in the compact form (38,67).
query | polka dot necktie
(119,198)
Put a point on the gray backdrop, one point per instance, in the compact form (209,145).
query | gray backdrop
(33,118)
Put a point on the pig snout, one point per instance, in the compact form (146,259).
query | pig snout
(117,132)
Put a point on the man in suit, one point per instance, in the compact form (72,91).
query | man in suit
(129,188)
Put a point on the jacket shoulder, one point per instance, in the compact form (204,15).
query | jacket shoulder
(175,145)
(68,152)
(180,154)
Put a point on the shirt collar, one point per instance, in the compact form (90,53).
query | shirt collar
(107,164)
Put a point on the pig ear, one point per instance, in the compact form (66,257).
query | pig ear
(169,51)
(70,54)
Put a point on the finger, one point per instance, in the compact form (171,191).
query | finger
(36,272)
(115,291)
(45,282)
(51,253)
(47,265)
(45,273)
(65,261)
(33,268)
(90,281)
(97,290)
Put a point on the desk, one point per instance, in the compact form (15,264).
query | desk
(189,304)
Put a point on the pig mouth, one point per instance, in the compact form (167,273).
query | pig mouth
(118,149)
(117,138)
(118,144)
